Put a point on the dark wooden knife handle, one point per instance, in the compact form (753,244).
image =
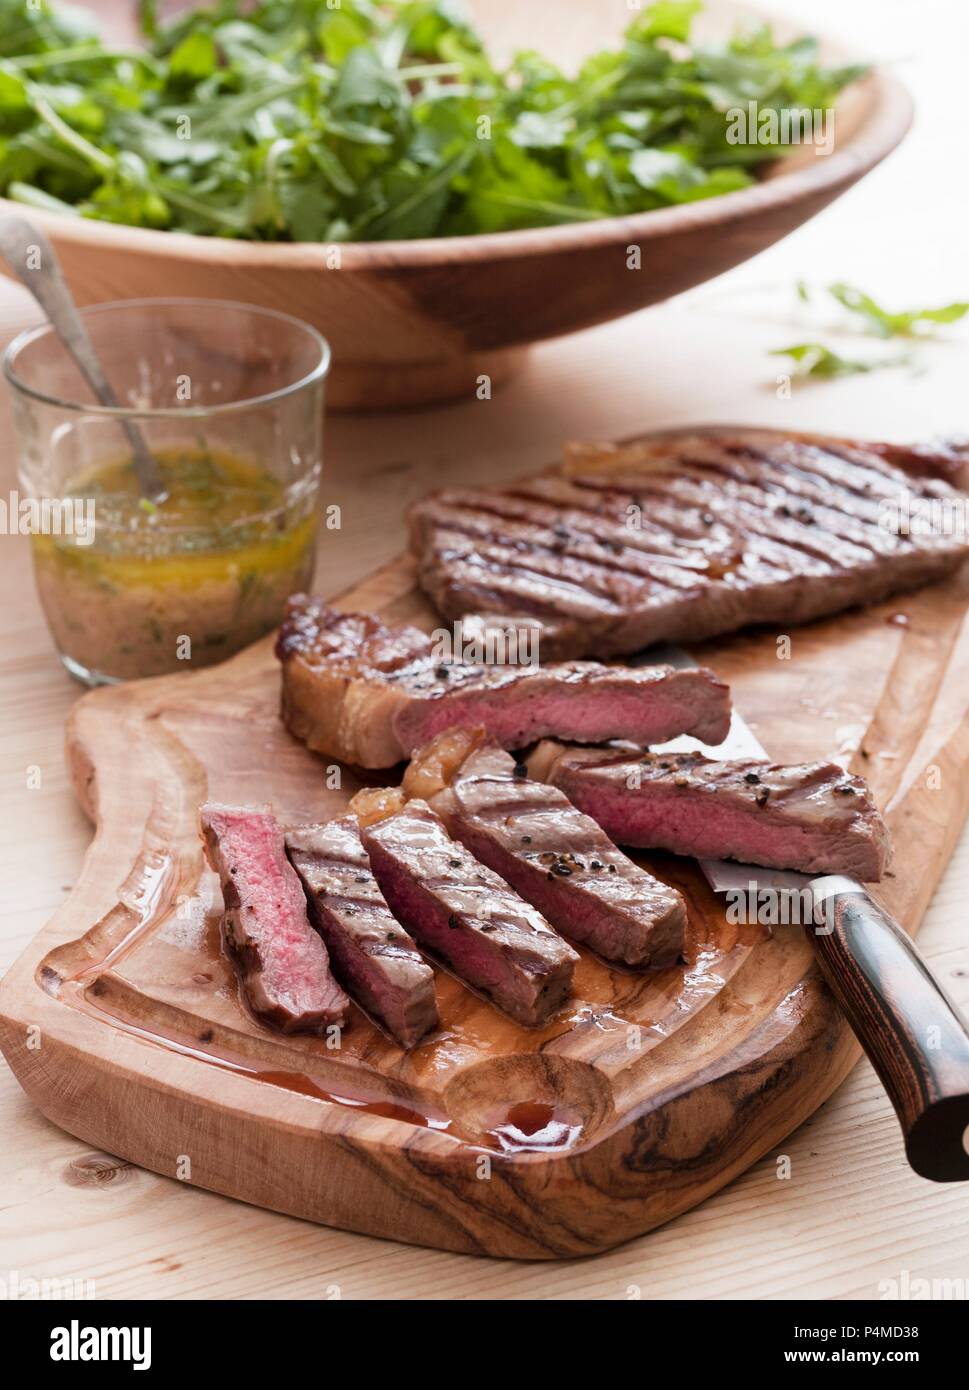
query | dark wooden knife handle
(916,1039)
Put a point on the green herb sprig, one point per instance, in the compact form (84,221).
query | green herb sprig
(819,362)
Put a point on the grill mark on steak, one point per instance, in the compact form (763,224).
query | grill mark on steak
(546,546)
(736,528)
(849,470)
(610,544)
(755,500)
(776,517)
(721,549)
(812,817)
(467,916)
(607,520)
(529,576)
(561,862)
(600,501)
(283,963)
(856,513)
(374,712)
(541,560)
(372,955)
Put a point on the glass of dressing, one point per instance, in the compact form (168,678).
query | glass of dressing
(229,400)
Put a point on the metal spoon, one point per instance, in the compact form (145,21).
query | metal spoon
(20,241)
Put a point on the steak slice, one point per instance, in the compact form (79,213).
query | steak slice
(369,694)
(372,955)
(689,536)
(561,862)
(283,963)
(814,818)
(468,917)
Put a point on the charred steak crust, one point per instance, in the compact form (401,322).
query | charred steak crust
(344,679)
(466,915)
(562,862)
(813,817)
(369,694)
(283,963)
(372,955)
(683,538)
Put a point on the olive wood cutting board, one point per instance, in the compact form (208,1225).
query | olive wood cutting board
(642,1096)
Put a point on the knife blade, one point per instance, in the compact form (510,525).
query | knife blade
(913,1034)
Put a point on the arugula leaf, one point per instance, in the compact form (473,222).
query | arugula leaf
(194,58)
(669,19)
(416,199)
(889,325)
(654,168)
(307,209)
(816,360)
(364,81)
(538,130)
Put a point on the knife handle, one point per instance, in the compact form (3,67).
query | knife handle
(915,1038)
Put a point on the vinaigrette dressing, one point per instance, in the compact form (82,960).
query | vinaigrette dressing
(180,584)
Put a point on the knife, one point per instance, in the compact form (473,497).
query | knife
(915,1037)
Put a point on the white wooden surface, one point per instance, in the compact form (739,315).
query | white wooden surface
(851,1215)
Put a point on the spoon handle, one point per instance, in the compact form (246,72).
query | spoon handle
(20,241)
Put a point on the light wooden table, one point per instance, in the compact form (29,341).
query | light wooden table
(851,1214)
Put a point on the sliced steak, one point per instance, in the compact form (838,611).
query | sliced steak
(283,963)
(464,913)
(368,694)
(814,818)
(373,957)
(688,536)
(561,861)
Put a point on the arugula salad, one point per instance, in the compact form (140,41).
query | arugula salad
(305,120)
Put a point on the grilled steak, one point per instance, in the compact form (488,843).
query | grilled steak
(368,694)
(686,537)
(561,861)
(283,962)
(373,956)
(814,818)
(468,917)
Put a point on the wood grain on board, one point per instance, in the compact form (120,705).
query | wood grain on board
(643,1095)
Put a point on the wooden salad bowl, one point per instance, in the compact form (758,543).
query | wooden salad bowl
(413,322)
